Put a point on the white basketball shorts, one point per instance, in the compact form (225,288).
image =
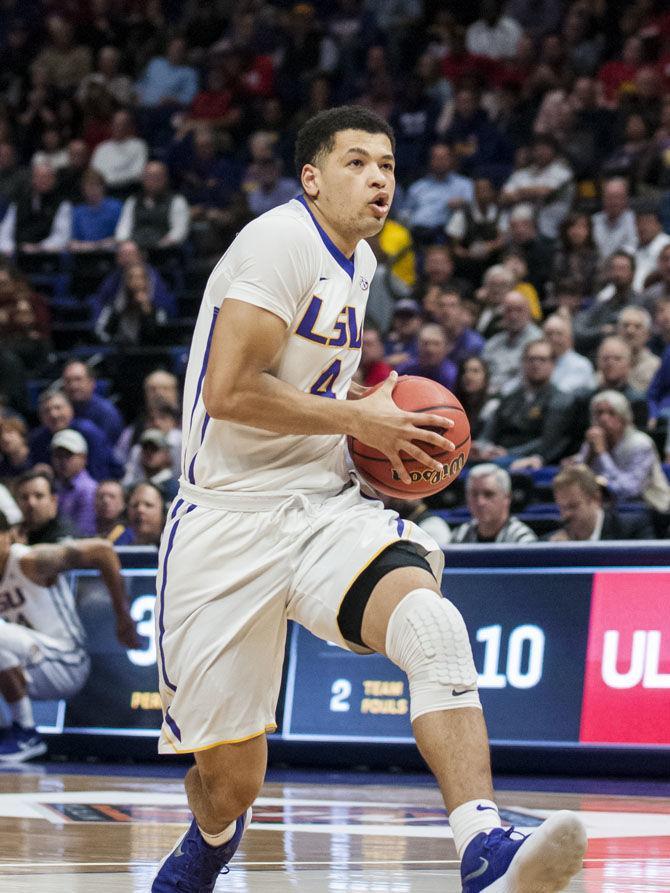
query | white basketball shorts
(228,581)
(53,668)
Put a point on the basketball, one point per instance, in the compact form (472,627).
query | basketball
(415,394)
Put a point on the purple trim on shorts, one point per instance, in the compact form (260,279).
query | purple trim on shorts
(173,725)
(198,389)
(161,601)
(401,526)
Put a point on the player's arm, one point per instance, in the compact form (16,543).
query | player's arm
(240,387)
(44,562)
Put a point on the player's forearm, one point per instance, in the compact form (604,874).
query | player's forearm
(101,555)
(271,404)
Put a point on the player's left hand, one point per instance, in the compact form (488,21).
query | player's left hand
(126,632)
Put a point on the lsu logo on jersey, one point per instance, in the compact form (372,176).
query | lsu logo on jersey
(346,332)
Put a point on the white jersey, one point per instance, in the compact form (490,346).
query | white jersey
(46,609)
(284,262)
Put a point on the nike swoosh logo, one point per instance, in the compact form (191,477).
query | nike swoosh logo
(323,278)
(483,868)
(457,694)
(481,808)
(179,851)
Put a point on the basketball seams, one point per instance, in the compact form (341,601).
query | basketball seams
(368,458)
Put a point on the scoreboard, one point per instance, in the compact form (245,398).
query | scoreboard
(571,644)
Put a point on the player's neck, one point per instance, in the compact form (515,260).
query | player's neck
(346,245)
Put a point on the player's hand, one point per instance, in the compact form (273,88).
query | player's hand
(126,632)
(382,425)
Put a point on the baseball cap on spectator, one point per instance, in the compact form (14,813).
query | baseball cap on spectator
(154,437)
(70,440)
(408,306)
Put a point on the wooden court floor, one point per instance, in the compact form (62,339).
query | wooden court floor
(72,833)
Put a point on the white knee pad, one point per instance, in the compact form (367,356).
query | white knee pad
(426,637)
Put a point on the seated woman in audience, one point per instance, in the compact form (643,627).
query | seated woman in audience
(471,389)
(14,449)
(577,256)
(133,319)
(621,453)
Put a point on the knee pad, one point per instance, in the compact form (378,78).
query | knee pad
(426,637)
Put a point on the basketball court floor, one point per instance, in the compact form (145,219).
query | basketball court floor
(89,828)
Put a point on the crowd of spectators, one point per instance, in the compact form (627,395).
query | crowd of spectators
(525,264)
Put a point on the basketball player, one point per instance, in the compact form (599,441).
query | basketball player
(270,524)
(42,648)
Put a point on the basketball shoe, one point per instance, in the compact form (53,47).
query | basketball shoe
(193,865)
(18,744)
(510,862)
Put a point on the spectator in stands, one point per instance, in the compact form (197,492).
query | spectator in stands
(156,217)
(547,184)
(531,426)
(524,239)
(108,78)
(659,398)
(94,222)
(13,177)
(167,418)
(614,227)
(479,146)
(146,517)
(651,241)
(438,275)
(431,360)
(36,497)
(79,385)
(475,231)
(56,414)
(65,63)
(494,35)
(38,221)
(463,341)
(576,257)
(498,281)
(578,495)
(659,289)
(14,449)
(488,491)
(265,188)
(373,368)
(110,507)
(599,320)
(401,342)
(572,371)
(133,318)
(432,199)
(113,286)
(167,82)
(625,456)
(51,151)
(74,485)
(634,326)
(503,351)
(155,464)
(416,511)
(122,158)
(615,365)
(9,508)
(69,177)
(515,262)
(472,386)
(161,391)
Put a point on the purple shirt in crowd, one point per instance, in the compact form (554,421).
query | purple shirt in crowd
(76,501)
(445,373)
(468,344)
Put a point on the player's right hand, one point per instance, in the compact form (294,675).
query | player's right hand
(392,431)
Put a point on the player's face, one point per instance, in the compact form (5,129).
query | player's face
(353,186)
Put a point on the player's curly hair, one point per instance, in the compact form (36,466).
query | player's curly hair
(317,136)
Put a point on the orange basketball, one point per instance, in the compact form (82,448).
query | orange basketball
(416,394)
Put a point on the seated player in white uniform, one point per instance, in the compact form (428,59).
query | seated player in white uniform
(42,643)
(270,524)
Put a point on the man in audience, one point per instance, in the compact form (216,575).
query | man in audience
(488,491)
(634,327)
(578,495)
(70,175)
(146,517)
(79,385)
(651,241)
(431,361)
(532,424)
(502,353)
(614,227)
(615,364)
(56,413)
(599,320)
(38,221)
(265,187)
(659,289)
(37,498)
(94,219)
(129,255)
(498,280)
(572,371)
(110,507)
(525,240)
(401,342)
(156,218)
(463,342)
(74,485)
(155,464)
(122,158)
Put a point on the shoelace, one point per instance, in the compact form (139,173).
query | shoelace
(492,840)
(203,874)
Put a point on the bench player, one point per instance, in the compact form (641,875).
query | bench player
(42,643)
(270,524)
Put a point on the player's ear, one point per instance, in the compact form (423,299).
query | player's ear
(310,180)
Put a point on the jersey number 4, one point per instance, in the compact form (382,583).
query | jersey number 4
(323,386)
